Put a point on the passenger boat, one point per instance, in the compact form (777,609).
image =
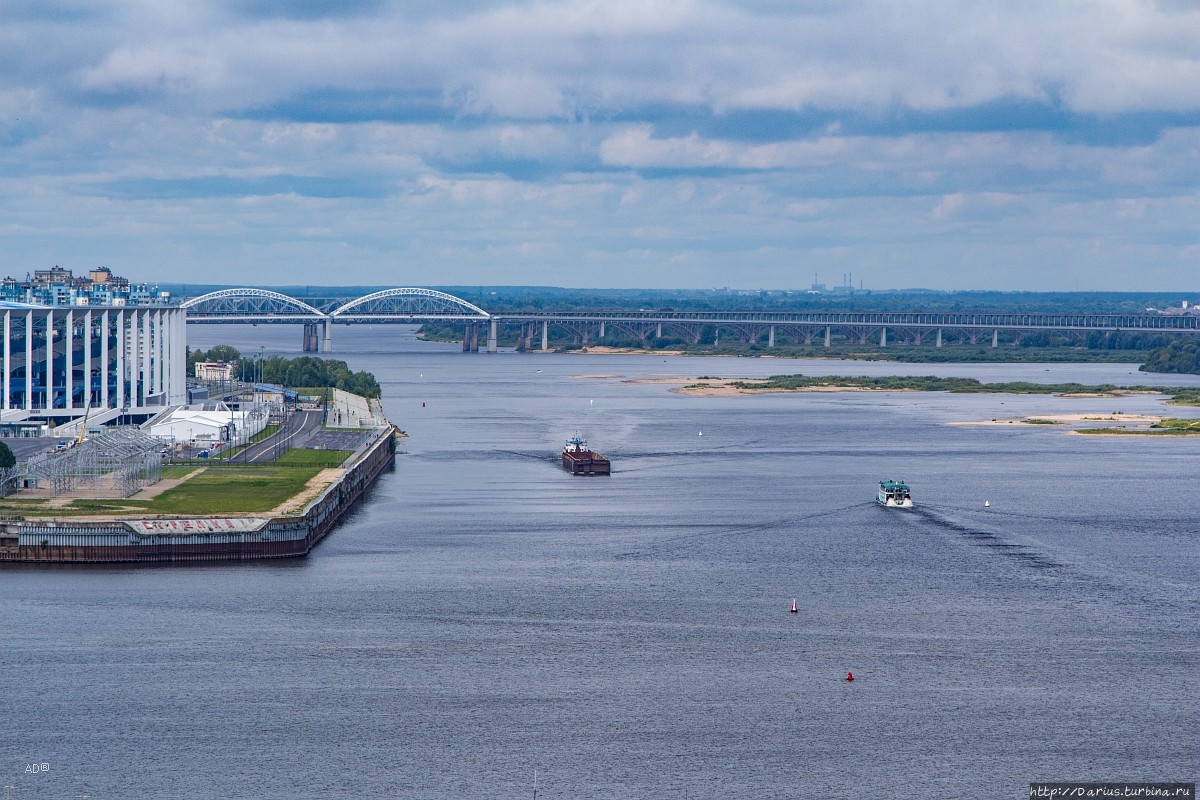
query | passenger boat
(579,460)
(894,494)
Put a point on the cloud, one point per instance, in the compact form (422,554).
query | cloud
(681,137)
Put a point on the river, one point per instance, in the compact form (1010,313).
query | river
(485,616)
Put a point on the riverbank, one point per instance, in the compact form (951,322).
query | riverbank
(289,528)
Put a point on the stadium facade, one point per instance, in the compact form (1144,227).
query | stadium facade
(106,361)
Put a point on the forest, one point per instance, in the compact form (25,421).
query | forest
(1178,356)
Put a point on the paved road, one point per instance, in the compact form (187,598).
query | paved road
(23,447)
(299,427)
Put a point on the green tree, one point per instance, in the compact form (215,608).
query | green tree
(224,352)
(7,459)
(1179,356)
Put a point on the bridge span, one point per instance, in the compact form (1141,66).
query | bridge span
(417,306)
(261,306)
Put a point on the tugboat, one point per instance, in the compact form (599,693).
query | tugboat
(894,494)
(577,459)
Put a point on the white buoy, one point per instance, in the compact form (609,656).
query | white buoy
(701,433)
(986,504)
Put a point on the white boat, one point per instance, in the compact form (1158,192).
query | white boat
(894,494)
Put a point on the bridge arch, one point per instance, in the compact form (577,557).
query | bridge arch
(240,303)
(409,302)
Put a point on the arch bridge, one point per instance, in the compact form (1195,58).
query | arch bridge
(414,305)
(262,306)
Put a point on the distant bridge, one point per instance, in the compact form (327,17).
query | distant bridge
(260,306)
(411,305)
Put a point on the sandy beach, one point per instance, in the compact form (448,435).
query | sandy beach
(699,387)
(719,387)
(1142,420)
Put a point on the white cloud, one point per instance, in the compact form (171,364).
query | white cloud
(718,134)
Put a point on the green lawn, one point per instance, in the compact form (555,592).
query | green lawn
(314,458)
(231,489)
(176,472)
(218,490)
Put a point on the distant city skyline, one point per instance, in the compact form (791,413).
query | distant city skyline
(606,144)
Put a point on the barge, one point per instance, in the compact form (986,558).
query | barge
(189,539)
(577,459)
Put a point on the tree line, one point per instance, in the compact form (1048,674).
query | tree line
(302,372)
(1178,356)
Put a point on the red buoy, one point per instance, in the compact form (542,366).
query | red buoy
(793,605)
(850,676)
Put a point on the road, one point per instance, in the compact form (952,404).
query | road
(298,428)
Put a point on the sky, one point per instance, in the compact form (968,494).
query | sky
(1026,145)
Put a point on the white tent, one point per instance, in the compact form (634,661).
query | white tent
(207,423)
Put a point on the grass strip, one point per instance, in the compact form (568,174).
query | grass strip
(234,489)
(314,458)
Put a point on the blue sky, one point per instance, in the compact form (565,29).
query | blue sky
(608,143)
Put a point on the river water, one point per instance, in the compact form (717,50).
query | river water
(485,616)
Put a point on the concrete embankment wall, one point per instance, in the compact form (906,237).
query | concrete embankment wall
(71,541)
(322,514)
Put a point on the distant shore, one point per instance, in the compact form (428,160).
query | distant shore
(1119,423)
(901,355)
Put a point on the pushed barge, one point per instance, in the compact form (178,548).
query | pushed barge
(894,494)
(578,460)
(158,540)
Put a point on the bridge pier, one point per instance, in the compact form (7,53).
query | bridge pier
(883,337)
(471,337)
(771,337)
(545,335)
(310,342)
(939,338)
(996,337)
(827,336)
(491,340)
(327,344)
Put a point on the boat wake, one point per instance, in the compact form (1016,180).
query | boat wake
(1149,525)
(685,541)
(986,538)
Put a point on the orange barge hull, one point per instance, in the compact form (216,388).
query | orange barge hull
(585,462)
